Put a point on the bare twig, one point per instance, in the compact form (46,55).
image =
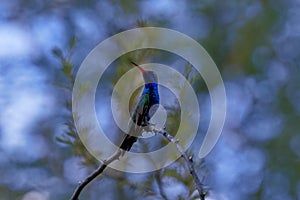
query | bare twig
(96,173)
(115,156)
(189,161)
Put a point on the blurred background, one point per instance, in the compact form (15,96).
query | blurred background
(255,45)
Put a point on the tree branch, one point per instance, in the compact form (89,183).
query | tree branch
(96,173)
(189,161)
(119,152)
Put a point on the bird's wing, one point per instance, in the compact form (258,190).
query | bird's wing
(139,115)
(135,124)
(142,109)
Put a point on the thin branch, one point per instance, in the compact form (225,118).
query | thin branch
(158,177)
(115,156)
(189,161)
(96,173)
(82,184)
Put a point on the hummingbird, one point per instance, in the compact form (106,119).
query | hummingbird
(144,109)
(140,117)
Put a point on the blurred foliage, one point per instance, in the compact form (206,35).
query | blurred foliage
(70,137)
(253,43)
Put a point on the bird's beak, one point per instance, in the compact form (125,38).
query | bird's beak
(141,69)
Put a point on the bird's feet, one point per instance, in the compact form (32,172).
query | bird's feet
(151,128)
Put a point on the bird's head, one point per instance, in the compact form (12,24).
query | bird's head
(149,76)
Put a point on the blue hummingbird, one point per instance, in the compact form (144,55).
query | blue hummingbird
(144,109)
(140,117)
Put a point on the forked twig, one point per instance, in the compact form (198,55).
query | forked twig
(116,156)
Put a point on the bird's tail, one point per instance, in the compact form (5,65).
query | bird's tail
(133,132)
(128,142)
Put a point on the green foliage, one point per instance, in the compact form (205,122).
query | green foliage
(70,136)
